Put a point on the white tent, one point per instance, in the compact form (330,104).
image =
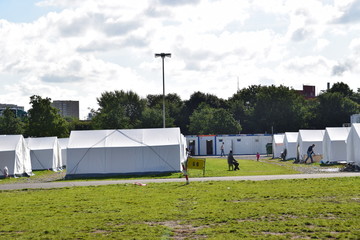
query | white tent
(352,145)
(45,153)
(15,155)
(100,152)
(290,144)
(334,144)
(278,145)
(307,138)
(63,142)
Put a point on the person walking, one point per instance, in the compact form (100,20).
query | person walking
(222,154)
(310,152)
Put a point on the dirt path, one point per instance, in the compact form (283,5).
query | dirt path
(306,171)
(62,184)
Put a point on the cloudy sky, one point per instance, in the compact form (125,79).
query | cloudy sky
(78,49)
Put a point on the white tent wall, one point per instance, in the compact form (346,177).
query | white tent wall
(308,137)
(352,145)
(45,153)
(291,143)
(278,145)
(15,155)
(63,142)
(183,147)
(125,151)
(334,144)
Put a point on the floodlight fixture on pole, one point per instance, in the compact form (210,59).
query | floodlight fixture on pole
(163,55)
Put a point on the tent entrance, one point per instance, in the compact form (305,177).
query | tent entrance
(209,147)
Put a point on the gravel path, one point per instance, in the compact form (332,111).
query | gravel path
(307,171)
(47,185)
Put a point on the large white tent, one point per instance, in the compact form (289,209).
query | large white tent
(63,142)
(352,145)
(15,155)
(334,144)
(278,145)
(99,152)
(308,137)
(45,153)
(290,144)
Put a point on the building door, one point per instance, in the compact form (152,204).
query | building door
(192,147)
(209,147)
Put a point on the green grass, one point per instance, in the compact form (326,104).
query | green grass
(279,209)
(215,167)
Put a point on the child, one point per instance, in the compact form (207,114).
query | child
(257,156)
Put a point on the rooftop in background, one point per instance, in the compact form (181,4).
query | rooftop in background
(308,91)
(18,110)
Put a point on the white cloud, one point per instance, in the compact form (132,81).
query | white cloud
(89,46)
(321,44)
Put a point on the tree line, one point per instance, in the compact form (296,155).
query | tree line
(255,109)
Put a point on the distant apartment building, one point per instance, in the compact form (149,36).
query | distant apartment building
(18,110)
(67,108)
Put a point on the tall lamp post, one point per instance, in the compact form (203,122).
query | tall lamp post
(163,55)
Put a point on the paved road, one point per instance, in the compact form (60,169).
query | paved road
(236,178)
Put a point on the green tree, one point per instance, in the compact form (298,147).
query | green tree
(118,110)
(208,120)
(10,123)
(277,108)
(152,118)
(341,88)
(173,109)
(76,124)
(45,120)
(242,105)
(196,99)
(334,109)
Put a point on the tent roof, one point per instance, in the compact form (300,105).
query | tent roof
(279,138)
(291,136)
(9,142)
(63,142)
(41,143)
(124,138)
(338,134)
(311,135)
(356,127)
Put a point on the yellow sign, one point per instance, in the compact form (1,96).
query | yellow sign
(196,163)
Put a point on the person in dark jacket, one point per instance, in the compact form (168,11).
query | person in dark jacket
(310,152)
(236,165)
(230,160)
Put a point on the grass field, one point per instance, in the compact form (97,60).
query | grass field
(215,167)
(279,209)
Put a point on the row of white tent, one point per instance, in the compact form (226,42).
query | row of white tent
(96,152)
(334,144)
(23,155)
